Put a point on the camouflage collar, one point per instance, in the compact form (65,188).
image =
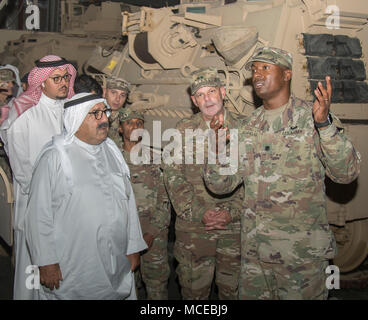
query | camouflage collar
(258,117)
(113,118)
(203,123)
(148,158)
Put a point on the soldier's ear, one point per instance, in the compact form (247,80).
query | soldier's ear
(223,92)
(288,75)
(194,101)
(104,93)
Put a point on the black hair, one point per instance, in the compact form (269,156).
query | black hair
(85,83)
(25,78)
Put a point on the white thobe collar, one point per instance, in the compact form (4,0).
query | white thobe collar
(53,103)
(90,148)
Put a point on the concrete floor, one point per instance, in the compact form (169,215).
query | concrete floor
(6,281)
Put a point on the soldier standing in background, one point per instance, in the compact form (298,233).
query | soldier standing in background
(10,83)
(6,85)
(12,90)
(7,79)
(207,226)
(115,93)
(286,147)
(152,203)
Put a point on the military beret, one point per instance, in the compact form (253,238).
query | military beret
(273,56)
(204,78)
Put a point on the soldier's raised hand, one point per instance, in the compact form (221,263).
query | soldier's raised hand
(223,135)
(322,104)
(217,121)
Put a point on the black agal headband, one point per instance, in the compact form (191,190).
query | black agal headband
(48,64)
(81,100)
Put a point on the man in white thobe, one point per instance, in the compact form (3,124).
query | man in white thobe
(40,116)
(82,226)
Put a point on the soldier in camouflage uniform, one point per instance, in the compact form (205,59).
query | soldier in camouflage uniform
(152,204)
(207,226)
(7,79)
(115,92)
(10,88)
(285,149)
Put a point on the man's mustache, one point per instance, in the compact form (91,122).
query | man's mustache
(103,125)
(63,87)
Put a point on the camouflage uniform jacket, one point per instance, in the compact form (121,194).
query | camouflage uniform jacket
(187,191)
(1,105)
(283,171)
(150,195)
(114,125)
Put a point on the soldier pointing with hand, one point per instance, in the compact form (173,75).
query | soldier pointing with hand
(207,226)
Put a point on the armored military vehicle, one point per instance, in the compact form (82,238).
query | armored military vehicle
(325,37)
(82,28)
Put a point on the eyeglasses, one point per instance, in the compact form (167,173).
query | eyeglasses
(66,77)
(98,113)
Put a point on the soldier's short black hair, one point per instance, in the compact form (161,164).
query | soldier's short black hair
(85,83)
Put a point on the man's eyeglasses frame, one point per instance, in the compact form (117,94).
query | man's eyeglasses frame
(98,113)
(57,79)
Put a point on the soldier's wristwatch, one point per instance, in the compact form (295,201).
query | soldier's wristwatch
(324,124)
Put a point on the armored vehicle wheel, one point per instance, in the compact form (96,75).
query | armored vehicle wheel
(352,242)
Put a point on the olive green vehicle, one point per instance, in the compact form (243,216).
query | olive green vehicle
(326,37)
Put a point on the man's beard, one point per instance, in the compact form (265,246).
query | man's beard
(64,95)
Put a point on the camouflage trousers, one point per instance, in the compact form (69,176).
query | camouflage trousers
(273,281)
(154,269)
(199,256)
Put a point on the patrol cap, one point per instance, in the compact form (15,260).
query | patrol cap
(127,114)
(6,75)
(117,83)
(204,78)
(272,55)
